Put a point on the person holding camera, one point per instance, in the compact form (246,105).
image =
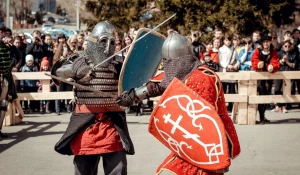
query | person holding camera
(36,48)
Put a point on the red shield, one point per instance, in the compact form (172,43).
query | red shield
(189,126)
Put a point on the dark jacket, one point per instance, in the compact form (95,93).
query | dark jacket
(37,51)
(293,57)
(16,58)
(198,49)
(28,83)
(212,65)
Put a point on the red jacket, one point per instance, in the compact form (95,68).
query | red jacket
(214,56)
(274,61)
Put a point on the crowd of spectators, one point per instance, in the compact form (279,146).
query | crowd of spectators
(224,53)
(233,53)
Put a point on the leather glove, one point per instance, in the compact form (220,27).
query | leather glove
(270,68)
(260,64)
(126,98)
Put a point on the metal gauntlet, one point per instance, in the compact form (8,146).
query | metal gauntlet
(141,92)
(65,71)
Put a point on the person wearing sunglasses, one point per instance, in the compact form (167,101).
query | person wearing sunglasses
(245,55)
(289,61)
(36,48)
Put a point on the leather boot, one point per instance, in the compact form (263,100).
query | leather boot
(3,135)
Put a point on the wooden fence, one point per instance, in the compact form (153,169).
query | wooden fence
(246,100)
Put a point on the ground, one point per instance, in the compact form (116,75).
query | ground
(268,149)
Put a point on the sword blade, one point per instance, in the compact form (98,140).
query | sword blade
(107,59)
(104,94)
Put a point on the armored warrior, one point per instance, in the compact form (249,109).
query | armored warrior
(180,63)
(8,90)
(98,126)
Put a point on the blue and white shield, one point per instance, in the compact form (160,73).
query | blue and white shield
(141,61)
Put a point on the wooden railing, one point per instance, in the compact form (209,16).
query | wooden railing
(246,98)
(46,95)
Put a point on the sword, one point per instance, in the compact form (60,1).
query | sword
(104,94)
(134,41)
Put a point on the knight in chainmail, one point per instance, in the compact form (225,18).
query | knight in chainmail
(98,126)
(7,86)
(180,62)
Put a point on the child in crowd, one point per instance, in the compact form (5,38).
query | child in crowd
(28,85)
(44,104)
(207,61)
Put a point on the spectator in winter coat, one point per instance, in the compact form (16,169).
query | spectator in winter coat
(29,85)
(44,104)
(245,55)
(289,61)
(48,45)
(209,63)
(15,55)
(36,48)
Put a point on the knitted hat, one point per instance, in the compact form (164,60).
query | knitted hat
(29,58)
(44,62)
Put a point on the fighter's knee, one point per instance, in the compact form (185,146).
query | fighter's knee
(3,105)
